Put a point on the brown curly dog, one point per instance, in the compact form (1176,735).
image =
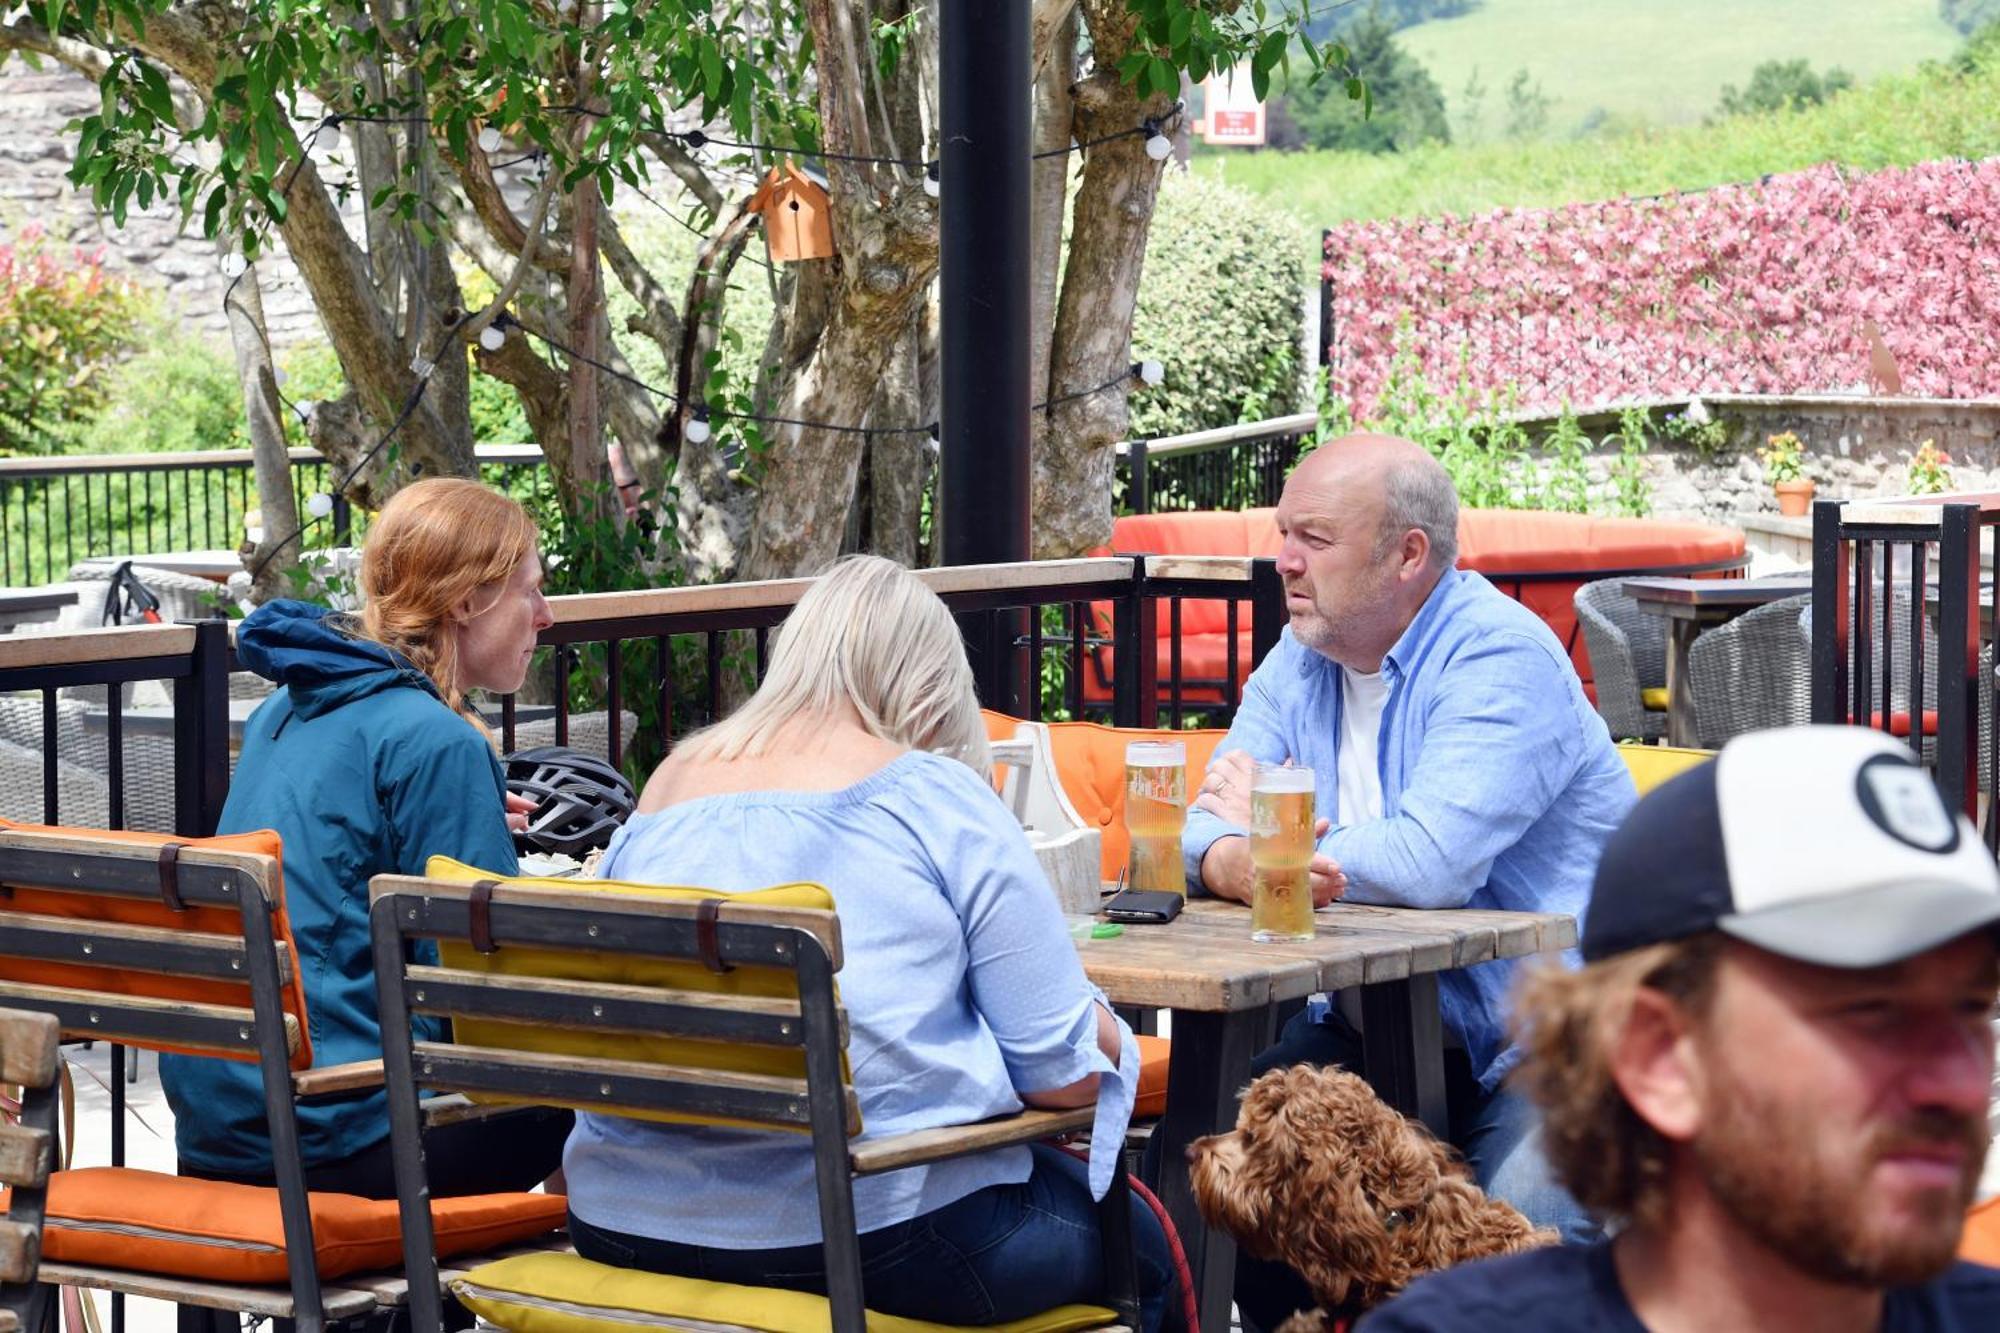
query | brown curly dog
(1322,1175)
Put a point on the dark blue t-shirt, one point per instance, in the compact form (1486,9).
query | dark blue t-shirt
(1575,1288)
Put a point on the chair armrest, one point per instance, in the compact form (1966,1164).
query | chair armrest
(330,1079)
(935,1145)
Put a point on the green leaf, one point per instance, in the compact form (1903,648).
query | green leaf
(211,213)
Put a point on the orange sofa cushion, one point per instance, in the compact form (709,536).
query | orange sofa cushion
(1152,1099)
(1494,542)
(1090,764)
(222,1232)
(111,910)
(1980,1242)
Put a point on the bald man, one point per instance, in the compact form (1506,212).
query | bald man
(1458,764)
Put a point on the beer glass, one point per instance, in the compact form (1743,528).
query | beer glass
(1281,852)
(1155,809)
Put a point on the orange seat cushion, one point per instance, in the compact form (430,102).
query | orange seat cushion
(1090,765)
(1152,1099)
(221,1232)
(1980,1242)
(113,910)
(1899,723)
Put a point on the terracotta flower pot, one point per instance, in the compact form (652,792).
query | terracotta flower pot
(1794,497)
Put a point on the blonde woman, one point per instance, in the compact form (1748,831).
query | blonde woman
(369,761)
(860,764)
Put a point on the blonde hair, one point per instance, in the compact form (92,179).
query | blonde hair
(868,635)
(436,543)
(1567,1022)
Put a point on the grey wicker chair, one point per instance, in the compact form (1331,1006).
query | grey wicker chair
(84,766)
(1752,673)
(1628,654)
(182,596)
(589,732)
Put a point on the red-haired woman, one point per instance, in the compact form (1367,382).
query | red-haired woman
(370,761)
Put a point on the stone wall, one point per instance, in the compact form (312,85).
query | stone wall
(35,154)
(1855,448)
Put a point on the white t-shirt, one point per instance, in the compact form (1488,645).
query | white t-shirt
(1362,699)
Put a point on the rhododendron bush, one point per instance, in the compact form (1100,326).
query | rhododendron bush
(1764,288)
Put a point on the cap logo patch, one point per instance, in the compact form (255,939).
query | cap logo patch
(1903,802)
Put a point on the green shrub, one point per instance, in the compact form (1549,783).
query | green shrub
(1407,107)
(1220,306)
(176,395)
(1783,85)
(64,322)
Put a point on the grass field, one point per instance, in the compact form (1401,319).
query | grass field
(1893,121)
(1663,62)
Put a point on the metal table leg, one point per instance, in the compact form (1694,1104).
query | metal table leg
(1209,1065)
(1402,1042)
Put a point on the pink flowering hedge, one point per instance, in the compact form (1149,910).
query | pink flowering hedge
(1759,288)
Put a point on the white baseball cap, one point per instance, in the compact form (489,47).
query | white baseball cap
(1829,845)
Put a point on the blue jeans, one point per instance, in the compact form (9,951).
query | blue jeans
(1495,1130)
(998,1254)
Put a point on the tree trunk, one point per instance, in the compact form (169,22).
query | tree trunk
(1100,289)
(271,559)
(1054,114)
(896,461)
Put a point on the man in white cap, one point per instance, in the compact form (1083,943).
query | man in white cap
(1771,1075)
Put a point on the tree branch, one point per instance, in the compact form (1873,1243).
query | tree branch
(683,164)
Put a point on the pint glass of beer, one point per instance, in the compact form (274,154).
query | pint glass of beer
(1281,852)
(1155,809)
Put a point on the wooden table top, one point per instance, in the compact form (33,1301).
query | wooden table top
(1205,960)
(1718,592)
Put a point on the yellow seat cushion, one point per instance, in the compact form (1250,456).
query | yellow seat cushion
(1650,765)
(1654,697)
(566,1293)
(585,965)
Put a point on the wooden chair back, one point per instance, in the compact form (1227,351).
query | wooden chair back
(171,945)
(682,1053)
(29,1060)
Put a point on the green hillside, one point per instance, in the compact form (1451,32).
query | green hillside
(1938,111)
(1663,62)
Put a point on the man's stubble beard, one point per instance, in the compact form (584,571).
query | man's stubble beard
(1763,1168)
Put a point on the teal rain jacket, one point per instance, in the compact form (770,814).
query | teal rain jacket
(362,769)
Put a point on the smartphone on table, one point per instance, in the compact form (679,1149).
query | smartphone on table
(1144,906)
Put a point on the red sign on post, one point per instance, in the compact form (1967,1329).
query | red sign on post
(1234,115)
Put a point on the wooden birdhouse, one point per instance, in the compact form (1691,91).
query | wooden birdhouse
(798,217)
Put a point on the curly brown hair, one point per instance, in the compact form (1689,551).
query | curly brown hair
(1611,1161)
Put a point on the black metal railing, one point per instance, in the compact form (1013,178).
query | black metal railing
(1234,467)
(57,511)
(625,674)
(1902,632)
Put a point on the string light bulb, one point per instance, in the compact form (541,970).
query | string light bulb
(1149,373)
(305,407)
(490,140)
(697,428)
(234,265)
(319,504)
(931,183)
(1158,145)
(493,337)
(331,140)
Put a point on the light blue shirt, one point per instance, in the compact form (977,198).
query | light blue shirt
(1500,783)
(960,982)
